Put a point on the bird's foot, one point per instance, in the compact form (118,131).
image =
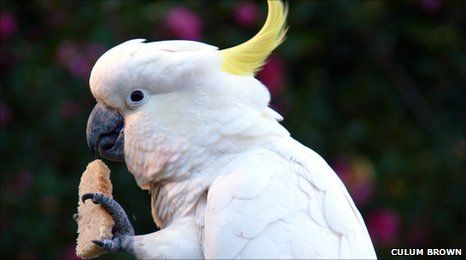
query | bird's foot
(123,232)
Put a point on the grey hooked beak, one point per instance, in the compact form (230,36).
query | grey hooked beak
(105,133)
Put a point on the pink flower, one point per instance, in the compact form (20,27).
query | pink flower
(246,14)
(78,58)
(80,67)
(70,109)
(431,6)
(8,25)
(5,114)
(184,23)
(357,174)
(383,226)
(66,51)
(272,75)
(94,50)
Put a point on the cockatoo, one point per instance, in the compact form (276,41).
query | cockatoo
(193,126)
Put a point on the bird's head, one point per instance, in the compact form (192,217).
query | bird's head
(155,96)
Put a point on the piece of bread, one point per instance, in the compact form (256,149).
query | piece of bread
(93,221)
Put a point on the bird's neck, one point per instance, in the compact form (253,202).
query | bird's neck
(179,197)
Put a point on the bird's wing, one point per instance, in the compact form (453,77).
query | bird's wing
(282,201)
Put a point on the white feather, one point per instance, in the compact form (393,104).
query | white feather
(327,230)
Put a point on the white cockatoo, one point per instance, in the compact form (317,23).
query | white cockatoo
(193,126)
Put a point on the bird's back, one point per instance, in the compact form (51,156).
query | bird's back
(282,201)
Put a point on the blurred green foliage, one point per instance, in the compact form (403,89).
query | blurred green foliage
(376,87)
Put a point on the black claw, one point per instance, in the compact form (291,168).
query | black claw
(122,224)
(98,242)
(110,246)
(87,196)
(114,229)
(75,216)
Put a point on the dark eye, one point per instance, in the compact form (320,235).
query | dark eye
(137,96)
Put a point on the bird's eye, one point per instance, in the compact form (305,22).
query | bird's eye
(137,96)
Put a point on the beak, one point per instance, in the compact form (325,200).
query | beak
(105,133)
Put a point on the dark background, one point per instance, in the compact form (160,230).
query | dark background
(376,88)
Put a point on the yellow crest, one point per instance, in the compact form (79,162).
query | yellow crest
(249,57)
